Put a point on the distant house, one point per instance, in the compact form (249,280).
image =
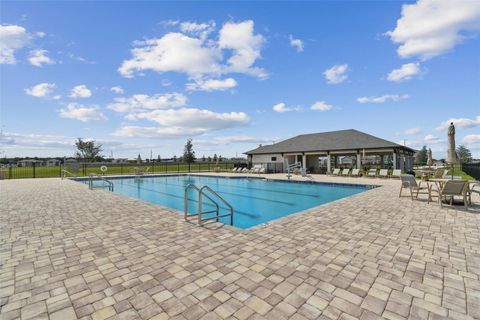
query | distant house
(120,160)
(310,150)
(52,162)
(30,163)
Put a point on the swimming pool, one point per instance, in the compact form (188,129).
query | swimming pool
(255,201)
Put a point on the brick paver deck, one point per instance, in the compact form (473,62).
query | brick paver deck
(68,252)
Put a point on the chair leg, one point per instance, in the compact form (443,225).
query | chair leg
(400,194)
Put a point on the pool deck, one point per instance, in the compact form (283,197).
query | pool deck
(68,252)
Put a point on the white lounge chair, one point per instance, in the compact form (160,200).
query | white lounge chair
(356,173)
(336,172)
(408,182)
(345,172)
(261,170)
(235,169)
(372,173)
(383,173)
(396,173)
(243,170)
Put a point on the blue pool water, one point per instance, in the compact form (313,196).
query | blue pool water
(255,201)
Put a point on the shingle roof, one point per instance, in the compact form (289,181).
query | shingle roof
(328,141)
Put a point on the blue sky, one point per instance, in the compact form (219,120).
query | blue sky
(141,76)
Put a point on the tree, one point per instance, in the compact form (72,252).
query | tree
(139,159)
(88,151)
(188,153)
(209,159)
(159,159)
(174,158)
(464,154)
(215,157)
(203,159)
(422,156)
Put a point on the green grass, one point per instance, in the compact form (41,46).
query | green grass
(458,172)
(50,172)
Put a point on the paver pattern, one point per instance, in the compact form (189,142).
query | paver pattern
(67,252)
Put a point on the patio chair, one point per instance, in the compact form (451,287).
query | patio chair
(396,173)
(383,173)
(261,170)
(235,169)
(356,173)
(440,174)
(372,173)
(409,182)
(243,170)
(454,188)
(345,172)
(336,172)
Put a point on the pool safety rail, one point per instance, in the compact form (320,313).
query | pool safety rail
(95,176)
(202,193)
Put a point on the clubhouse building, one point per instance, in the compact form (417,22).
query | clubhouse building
(321,152)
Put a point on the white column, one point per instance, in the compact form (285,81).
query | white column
(394,160)
(304,161)
(329,166)
(359,160)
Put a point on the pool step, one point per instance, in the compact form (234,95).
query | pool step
(202,194)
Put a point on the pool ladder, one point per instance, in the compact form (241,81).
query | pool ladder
(96,175)
(202,194)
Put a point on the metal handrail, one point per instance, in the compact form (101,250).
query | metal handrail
(219,197)
(191,185)
(66,172)
(90,181)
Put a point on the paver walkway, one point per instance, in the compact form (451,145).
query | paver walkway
(67,252)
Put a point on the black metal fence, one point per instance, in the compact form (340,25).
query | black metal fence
(472,169)
(84,169)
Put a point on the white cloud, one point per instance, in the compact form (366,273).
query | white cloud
(212,84)
(459,123)
(117,90)
(80,91)
(79,112)
(336,74)
(321,106)
(296,43)
(12,37)
(143,102)
(39,57)
(182,122)
(225,140)
(383,99)
(413,131)
(431,138)
(429,28)
(41,90)
(282,107)
(41,34)
(201,30)
(405,72)
(471,139)
(197,55)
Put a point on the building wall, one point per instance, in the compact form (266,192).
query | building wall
(266,158)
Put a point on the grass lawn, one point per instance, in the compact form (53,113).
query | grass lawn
(458,172)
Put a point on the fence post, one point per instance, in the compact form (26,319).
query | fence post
(10,171)
(153,166)
(178,167)
(33,169)
(84,169)
(189,167)
(121,168)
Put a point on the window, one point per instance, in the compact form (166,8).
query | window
(274,158)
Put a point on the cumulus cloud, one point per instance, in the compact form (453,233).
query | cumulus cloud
(39,57)
(432,138)
(82,113)
(430,28)
(413,131)
(405,72)
(223,140)
(282,107)
(336,74)
(143,102)
(12,38)
(212,84)
(117,89)
(471,139)
(80,91)
(41,90)
(321,106)
(459,123)
(197,55)
(296,43)
(182,122)
(383,99)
